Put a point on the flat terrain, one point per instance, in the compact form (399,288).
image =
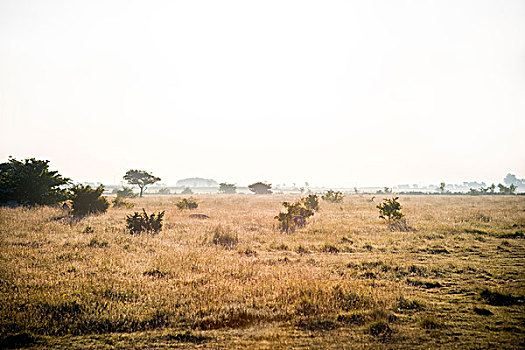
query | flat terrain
(455,280)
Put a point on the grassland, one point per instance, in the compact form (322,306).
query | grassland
(456,280)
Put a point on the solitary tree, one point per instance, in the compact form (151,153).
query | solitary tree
(260,188)
(140,178)
(227,188)
(30,182)
(442,187)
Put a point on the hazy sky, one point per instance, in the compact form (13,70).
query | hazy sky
(336,93)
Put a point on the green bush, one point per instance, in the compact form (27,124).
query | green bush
(125,192)
(390,210)
(295,215)
(30,182)
(142,222)
(333,196)
(311,202)
(119,202)
(86,200)
(187,203)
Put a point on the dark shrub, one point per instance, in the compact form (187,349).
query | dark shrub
(119,202)
(187,203)
(142,222)
(86,200)
(31,183)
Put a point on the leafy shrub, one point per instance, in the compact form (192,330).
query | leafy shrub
(227,188)
(86,200)
(142,222)
(31,183)
(295,216)
(333,196)
(311,202)
(187,203)
(260,188)
(187,190)
(125,192)
(390,210)
(224,238)
(118,202)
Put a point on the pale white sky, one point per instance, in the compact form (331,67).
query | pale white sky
(336,93)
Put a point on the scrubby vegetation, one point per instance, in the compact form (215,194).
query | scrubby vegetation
(333,196)
(86,200)
(30,182)
(296,213)
(142,222)
(235,281)
(187,203)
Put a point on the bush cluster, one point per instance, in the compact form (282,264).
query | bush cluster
(187,203)
(86,200)
(297,213)
(142,222)
(333,196)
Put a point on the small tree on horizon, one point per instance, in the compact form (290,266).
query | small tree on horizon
(140,178)
(260,188)
(227,188)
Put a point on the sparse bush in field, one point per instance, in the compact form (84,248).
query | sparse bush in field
(142,222)
(124,192)
(164,190)
(187,203)
(224,238)
(260,188)
(227,188)
(390,210)
(311,202)
(333,196)
(119,202)
(187,190)
(88,229)
(295,216)
(86,200)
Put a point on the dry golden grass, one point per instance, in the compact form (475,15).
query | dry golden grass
(343,281)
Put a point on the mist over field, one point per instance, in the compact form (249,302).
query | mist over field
(337,93)
(262,174)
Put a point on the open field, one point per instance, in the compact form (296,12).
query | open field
(457,280)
